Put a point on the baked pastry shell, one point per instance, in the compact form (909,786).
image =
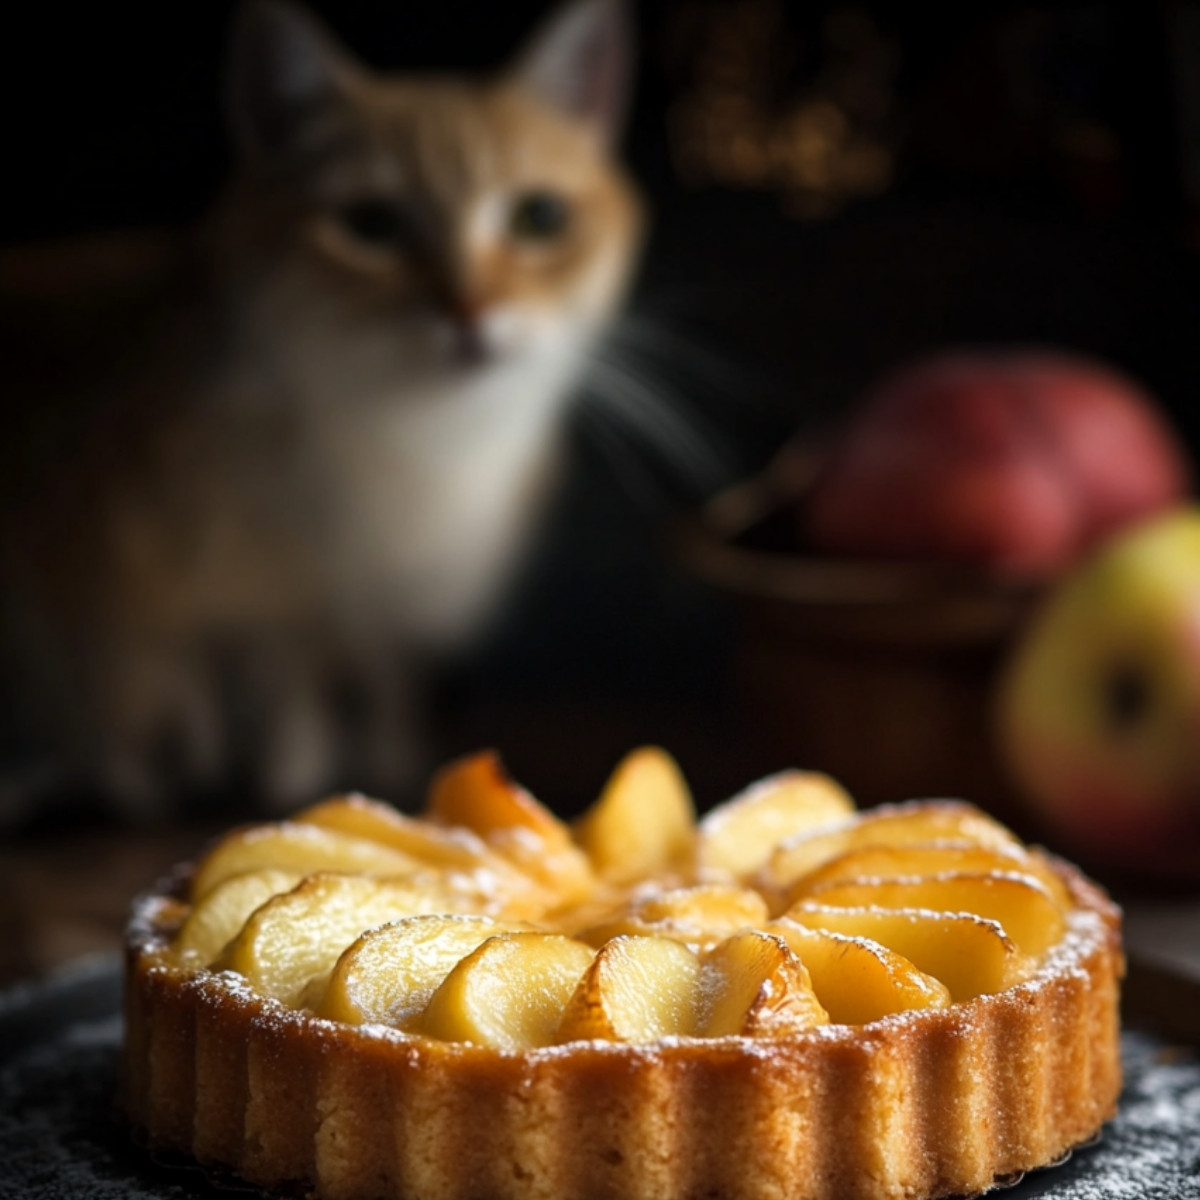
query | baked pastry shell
(927,1103)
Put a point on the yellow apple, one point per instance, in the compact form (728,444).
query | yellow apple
(1099,707)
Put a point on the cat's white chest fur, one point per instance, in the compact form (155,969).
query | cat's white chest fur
(432,494)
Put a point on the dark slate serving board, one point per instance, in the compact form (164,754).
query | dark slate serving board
(60,1140)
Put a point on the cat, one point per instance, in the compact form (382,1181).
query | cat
(318,431)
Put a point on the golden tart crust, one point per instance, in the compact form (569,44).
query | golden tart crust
(931,1102)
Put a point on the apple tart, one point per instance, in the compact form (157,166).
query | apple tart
(785,1000)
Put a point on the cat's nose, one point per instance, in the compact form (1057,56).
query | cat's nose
(471,343)
(465,310)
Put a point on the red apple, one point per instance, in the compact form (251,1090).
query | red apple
(1014,460)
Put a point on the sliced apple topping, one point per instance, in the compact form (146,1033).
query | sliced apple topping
(713,907)
(642,989)
(970,955)
(737,837)
(1022,907)
(921,859)
(297,937)
(510,992)
(477,793)
(220,915)
(490,921)
(388,975)
(753,985)
(893,825)
(644,822)
(636,989)
(857,980)
(699,916)
(451,849)
(300,849)
(362,817)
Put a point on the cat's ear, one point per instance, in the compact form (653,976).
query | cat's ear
(580,62)
(285,73)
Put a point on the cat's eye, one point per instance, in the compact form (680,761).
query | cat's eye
(377,222)
(539,216)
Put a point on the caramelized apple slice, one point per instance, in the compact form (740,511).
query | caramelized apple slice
(921,859)
(970,955)
(362,817)
(509,993)
(707,906)
(893,825)
(637,989)
(300,849)
(644,821)
(737,837)
(754,986)
(453,849)
(857,980)
(478,794)
(699,916)
(388,975)
(298,936)
(225,909)
(1020,904)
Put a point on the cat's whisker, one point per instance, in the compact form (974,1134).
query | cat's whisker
(636,479)
(649,410)
(659,392)
(699,443)
(688,356)
(638,410)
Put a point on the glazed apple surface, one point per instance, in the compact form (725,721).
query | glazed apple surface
(1013,460)
(492,922)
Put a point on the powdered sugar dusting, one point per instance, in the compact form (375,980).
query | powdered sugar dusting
(1152,1149)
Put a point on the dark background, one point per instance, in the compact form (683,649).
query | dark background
(1032,175)
(1040,187)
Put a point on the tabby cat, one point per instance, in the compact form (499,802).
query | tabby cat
(318,431)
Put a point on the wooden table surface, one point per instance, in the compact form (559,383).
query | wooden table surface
(66,894)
